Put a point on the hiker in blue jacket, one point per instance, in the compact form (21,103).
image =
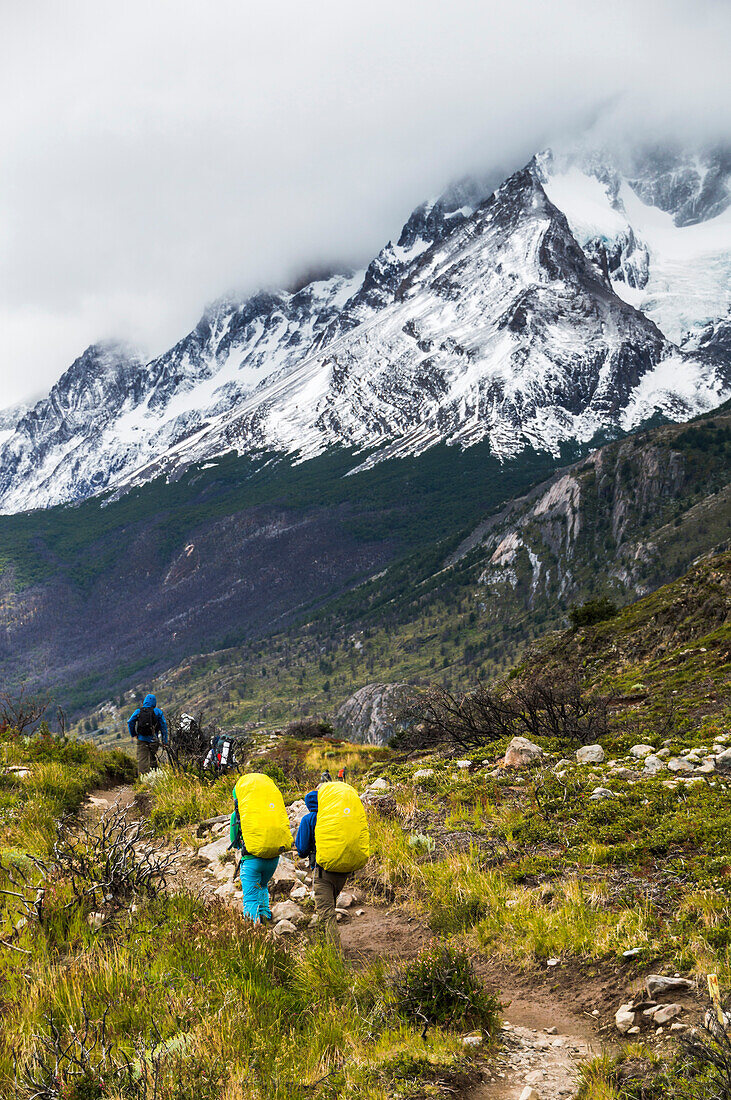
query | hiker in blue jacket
(326,885)
(305,839)
(146,724)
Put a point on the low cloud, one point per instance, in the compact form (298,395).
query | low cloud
(158,154)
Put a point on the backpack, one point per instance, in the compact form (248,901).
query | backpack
(147,722)
(237,840)
(341,831)
(264,822)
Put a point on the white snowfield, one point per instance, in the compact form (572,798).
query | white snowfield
(688,267)
(486,321)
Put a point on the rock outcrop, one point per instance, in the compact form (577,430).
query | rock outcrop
(370,716)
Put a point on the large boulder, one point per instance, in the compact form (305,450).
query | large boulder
(370,717)
(521,753)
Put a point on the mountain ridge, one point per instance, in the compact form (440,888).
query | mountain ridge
(357,359)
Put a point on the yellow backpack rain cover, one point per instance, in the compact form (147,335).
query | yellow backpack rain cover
(341,831)
(264,821)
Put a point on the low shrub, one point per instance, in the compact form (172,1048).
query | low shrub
(307,729)
(440,987)
(275,772)
(557,708)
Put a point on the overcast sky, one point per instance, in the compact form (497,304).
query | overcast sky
(157,154)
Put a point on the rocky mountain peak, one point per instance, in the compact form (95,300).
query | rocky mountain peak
(577,297)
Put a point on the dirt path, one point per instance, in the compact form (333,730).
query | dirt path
(545,1033)
(529,1057)
(98,802)
(381,932)
(544,1038)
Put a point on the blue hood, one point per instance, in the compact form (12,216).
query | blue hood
(311,802)
(150,701)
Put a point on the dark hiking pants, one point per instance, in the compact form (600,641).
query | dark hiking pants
(146,755)
(326,886)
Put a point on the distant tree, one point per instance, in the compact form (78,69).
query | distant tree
(21,712)
(593,611)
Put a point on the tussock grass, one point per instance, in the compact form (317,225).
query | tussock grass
(61,774)
(513,921)
(184,799)
(357,759)
(217,992)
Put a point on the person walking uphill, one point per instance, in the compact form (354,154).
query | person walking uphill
(334,835)
(146,723)
(260,828)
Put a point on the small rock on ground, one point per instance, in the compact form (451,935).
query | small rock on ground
(287,910)
(521,752)
(658,984)
(284,928)
(590,754)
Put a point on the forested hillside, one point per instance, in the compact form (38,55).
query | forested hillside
(617,524)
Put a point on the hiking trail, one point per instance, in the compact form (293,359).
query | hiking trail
(545,1033)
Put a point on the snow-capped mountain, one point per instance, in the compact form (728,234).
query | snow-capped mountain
(581,295)
(9,420)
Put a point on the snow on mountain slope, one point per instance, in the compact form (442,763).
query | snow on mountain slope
(9,420)
(503,330)
(486,319)
(676,273)
(111,412)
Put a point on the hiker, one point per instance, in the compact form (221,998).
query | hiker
(259,826)
(221,754)
(145,724)
(334,836)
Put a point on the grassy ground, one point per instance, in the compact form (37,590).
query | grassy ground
(178,989)
(520,867)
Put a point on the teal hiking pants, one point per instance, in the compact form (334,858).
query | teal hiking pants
(255,876)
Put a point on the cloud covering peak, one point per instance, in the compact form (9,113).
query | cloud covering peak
(157,154)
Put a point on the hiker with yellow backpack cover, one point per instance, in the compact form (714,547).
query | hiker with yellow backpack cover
(334,835)
(260,828)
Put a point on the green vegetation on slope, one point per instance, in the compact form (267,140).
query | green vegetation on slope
(646,509)
(442,491)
